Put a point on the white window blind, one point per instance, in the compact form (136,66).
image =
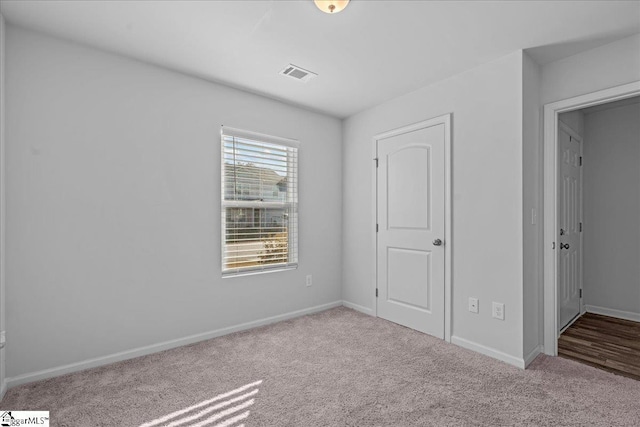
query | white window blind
(259,202)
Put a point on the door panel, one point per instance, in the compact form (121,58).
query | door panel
(409,277)
(569,215)
(408,188)
(411,197)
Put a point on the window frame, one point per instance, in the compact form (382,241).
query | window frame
(291,147)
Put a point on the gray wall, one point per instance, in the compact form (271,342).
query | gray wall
(2,205)
(531,208)
(612,209)
(113,196)
(606,66)
(486,103)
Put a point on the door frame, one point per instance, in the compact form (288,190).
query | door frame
(550,172)
(445,120)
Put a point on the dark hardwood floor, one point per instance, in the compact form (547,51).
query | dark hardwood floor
(604,342)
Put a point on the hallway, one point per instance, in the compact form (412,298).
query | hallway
(603,342)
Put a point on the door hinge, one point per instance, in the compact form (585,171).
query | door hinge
(376,160)
(581,227)
(580,293)
(553,245)
(580,160)
(377,228)
(376,292)
(570,138)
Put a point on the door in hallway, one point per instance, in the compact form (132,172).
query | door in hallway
(569,220)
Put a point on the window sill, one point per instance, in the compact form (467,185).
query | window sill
(257,272)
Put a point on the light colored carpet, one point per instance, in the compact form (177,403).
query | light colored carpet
(335,368)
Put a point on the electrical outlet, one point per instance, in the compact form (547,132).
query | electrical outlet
(498,310)
(473,305)
(309,280)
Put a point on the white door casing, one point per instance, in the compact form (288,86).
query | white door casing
(569,222)
(550,193)
(411,213)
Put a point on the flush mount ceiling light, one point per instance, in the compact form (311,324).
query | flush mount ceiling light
(331,6)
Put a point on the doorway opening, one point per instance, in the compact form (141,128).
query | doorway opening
(591,234)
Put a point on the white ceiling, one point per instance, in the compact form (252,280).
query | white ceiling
(370,52)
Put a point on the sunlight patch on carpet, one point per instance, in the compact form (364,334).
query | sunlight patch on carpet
(216,405)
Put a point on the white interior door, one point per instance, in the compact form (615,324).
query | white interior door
(411,221)
(569,222)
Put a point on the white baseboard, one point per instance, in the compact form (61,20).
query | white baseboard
(359,308)
(154,348)
(531,356)
(627,315)
(488,351)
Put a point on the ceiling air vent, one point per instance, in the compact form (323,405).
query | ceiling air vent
(298,73)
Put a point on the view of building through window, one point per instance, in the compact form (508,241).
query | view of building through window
(259,204)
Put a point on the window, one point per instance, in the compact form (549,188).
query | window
(259,202)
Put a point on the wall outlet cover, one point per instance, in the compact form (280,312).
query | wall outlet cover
(473,305)
(498,310)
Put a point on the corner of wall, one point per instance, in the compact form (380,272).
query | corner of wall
(342,209)
(357,307)
(177,202)
(531,208)
(3,385)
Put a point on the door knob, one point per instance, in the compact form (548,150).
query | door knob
(564,246)
(437,242)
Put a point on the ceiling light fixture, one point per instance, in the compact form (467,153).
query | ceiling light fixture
(331,6)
